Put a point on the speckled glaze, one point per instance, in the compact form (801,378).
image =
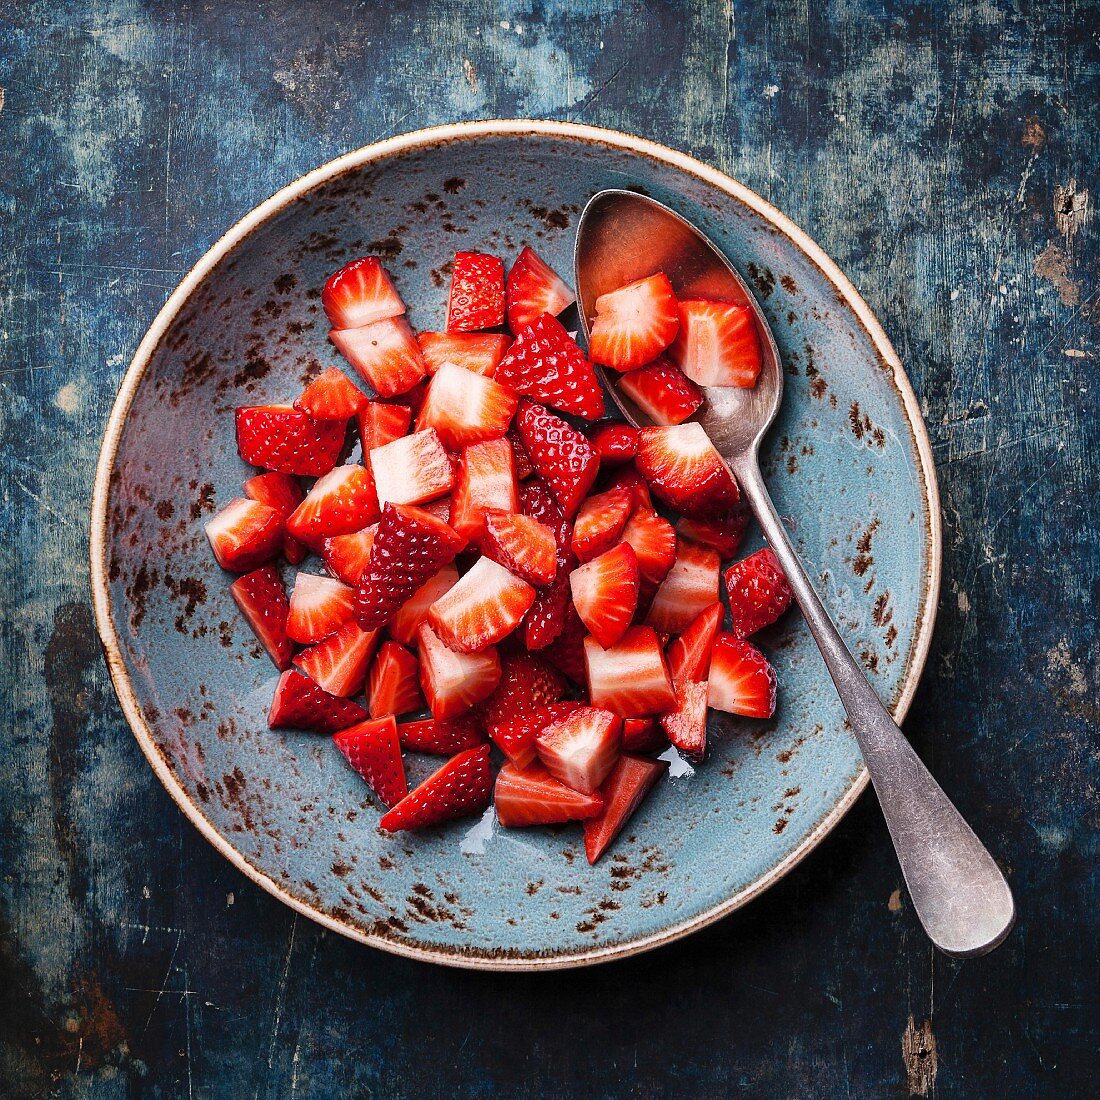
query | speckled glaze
(848,463)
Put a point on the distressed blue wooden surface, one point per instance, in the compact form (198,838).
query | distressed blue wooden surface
(948,160)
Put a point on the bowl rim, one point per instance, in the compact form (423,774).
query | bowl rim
(382,150)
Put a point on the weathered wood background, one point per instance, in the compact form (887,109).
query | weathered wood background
(947,156)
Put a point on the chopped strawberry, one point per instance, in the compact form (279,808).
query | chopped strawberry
(686,724)
(413,398)
(741,680)
(412,470)
(283,493)
(545,363)
(600,521)
(684,470)
(758,592)
(465,407)
(690,587)
(299,704)
(643,735)
(372,749)
(634,324)
(460,788)
(477,293)
(245,534)
(479,352)
(532,796)
(522,545)
(440,508)
(441,736)
(717,344)
(614,441)
(654,543)
(581,748)
(346,557)
(486,482)
(360,293)
(516,738)
(487,604)
(526,684)
(380,424)
(339,663)
(454,682)
(318,606)
(563,458)
(631,678)
(627,477)
(662,391)
(414,611)
(605,593)
(261,596)
(622,792)
(280,438)
(384,353)
(410,547)
(689,655)
(566,651)
(548,613)
(342,501)
(331,396)
(722,533)
(524,469)
(534,288)
(393,687)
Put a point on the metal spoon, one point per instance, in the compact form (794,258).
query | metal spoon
(958,891)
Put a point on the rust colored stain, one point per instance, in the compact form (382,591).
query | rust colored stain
(864,558)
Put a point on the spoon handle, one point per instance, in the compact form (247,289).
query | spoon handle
(958,891)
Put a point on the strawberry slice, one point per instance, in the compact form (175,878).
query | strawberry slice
(526,684)
(412,470)
(477,292)
(634,324)
(441,736)
(622,792)
(600,522)
(346,557)
(454,682)
(690,587)
(486,482)
(689,655)
(360,293)
(717,344)
(339,663)
(331,396)
(487,604)
(245,534)
(393,687)
(479,352)
(684,470)
(318,606)
(630,679)
(385,354)
(516,738)
(522,545)
(465,407)
(283,493)
(299,704)
(562,457)
(406,623)
(741,680)
(545,363)
(605,593)
(372,749)
(280,438)
(686,725)
(581,748)
(533,288)
(758,592)
(662,391)
(721,533)
(628,478)
(643,735)
(261,597)
(410,547)
(614,441)
(342,501)
(380,424)
(654,542)
(460,788)
(566,651)
(532,796)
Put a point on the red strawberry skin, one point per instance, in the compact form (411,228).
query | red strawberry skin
(460,788)
(614,441)
(722,533)
(442,736)
(605,593)
(245,534)
(562,457)
(534,288)
(516,737)
(654,543)
(526,684)
(331,396)
(300,704)
(280,438)
(549,612)
(372,749)
(360,293)
(662,391)
(477,293)
(741,679)
(261,596)
(622,792)
(758,592)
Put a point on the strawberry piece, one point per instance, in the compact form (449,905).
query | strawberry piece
(581,748)
(600,522)
(566,651)
(533,288)
(412,470)
(522,545)
(614,441)
(331,396)
(465,407)
(385,354)
(441,736)
(741,680)
(347,556)
(643,735)
(690,587)
(721,533)
(486,482)
(548,613)
(261,597)
(634,324)
(479,352)
(339,663)
(654,542)
(360,293)
(562,457)
(454,682)
(487,604)
(318,606)
(372,749)
(662,391)
(414,611)
(410,546)
(689,655)
(686,725)
(393,686)
(380,424)
(440,508)
(605,593)
(622,792)
(477,292)
(630,679)
(342,501)
(413,398)
(460,788)
(758,592)
(283,493)
(516,738)
(717,344)
(546,363)
(524,469)
(280,438)
(245,534)
(526,684)
(532,796)
(684,470)
(299,704)
(628,478)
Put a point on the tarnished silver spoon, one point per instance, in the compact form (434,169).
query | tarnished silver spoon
(958,891)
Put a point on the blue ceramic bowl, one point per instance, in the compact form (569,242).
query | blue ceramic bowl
(848,462)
